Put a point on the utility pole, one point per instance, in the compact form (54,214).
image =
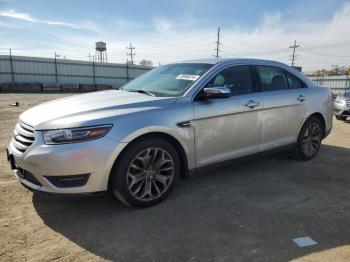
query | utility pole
(56,73)
(217,49)
(12,73)
(294,47)
(93,69)
(131,54)
(127,70)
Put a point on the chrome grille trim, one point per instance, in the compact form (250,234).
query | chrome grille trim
(19,145)
(347,102)
(23,137)
(24,131)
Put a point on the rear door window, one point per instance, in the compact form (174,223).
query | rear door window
(272,78)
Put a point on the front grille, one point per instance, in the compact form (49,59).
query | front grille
(23,137)
(348,102)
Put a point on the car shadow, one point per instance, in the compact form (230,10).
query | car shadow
(245,211)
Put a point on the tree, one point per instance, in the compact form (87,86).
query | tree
(338,70)
(335,71)
(146,62)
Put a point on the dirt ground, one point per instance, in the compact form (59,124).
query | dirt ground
(246,211)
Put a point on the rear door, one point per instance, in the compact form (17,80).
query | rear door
(284,109)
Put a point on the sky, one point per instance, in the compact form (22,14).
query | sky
(168,31)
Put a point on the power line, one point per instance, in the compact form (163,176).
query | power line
(232,48)
(217,49)
(280,50)
(172,43)
(244,44)
(132,53)
(326,46)
(318,53)
(294,47)
(243,53)
(175,48)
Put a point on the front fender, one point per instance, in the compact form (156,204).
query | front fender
(183,136)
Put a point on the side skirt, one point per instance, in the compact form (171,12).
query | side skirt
(196,171)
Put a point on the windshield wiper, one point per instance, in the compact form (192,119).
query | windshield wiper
(140,91)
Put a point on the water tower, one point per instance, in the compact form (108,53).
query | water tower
(101,52)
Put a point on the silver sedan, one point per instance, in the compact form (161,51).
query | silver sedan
(138,140)
(342,106)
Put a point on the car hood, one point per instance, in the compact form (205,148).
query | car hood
(90,109)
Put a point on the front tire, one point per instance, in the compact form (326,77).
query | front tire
(146,172)
(341,118)
(309,139)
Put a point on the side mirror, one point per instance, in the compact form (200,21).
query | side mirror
(217,92)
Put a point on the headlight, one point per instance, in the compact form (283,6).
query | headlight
(71,135)
(339,100)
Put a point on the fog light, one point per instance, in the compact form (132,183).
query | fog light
(68,181)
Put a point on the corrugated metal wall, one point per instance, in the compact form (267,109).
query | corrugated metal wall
(47,70)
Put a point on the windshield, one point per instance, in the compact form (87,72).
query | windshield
(169,80)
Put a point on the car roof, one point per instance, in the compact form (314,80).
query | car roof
(206,60)
(251,61)
(214,61)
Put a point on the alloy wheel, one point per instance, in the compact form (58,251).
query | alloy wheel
(311,139)
(150,174)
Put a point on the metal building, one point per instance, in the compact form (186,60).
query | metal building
(23,69)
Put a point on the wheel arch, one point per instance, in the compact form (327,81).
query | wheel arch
(184,170)
(320,117)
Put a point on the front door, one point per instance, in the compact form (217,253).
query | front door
(229,127)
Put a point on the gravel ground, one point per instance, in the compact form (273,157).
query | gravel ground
(245,211)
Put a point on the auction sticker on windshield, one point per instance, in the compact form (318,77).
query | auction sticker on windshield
(187,77)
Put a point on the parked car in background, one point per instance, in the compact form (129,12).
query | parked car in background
(342,106)
(137,141)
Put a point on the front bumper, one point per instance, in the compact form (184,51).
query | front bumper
(76,168)
(341,109)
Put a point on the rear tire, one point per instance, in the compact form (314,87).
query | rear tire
(341,118)
(146,172)
(309,139)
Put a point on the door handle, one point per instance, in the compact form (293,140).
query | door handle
(301,98)
(185,124)
(251,104)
